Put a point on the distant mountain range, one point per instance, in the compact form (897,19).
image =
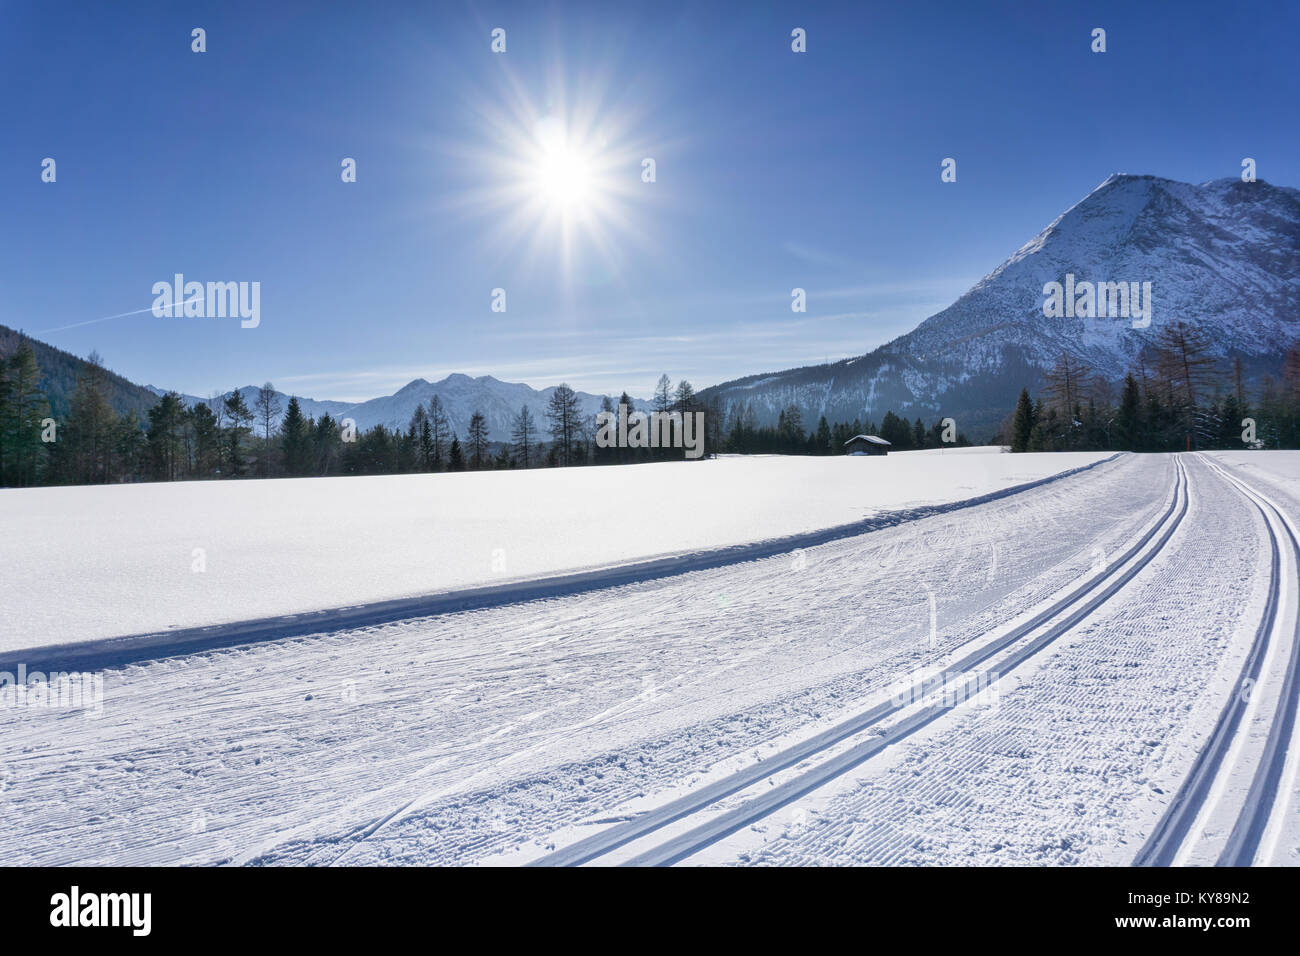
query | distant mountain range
(1223,256)
(461,397)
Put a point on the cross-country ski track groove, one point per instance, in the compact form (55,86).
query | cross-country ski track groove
(1093,593)
(1175,833)
(580,728)
(709,795)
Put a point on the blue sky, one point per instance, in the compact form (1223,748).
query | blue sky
(774,170)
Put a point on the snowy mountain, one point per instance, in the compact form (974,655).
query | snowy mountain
(310,407)
(461,396)
(1223,256)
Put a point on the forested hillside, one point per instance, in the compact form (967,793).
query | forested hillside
(60,371)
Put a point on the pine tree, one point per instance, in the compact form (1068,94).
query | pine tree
(422,431)
(377,452)
(663,400)
(241,420)
(165,438)
(895,431)
(326,440)
(562,413)
(1022,427)
(427,458)
(478,440)
(823,436)
(6,418)
(790,426)
(128,444)
(605,454)
(440,429)
(627,407)
(207,440)
(1128,420)
(523,432)
(27,407)
(407,450)
(268,408)
(1269,410)
(713,426)
(295,440)
(218,409)
(455,459)
(1228,433)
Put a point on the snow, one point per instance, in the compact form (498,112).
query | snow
(86,563)
(497,735)
(1278,468)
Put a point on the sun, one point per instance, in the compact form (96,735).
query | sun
(564,179)
(558,183)
(565,171)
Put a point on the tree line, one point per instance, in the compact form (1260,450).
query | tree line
(225,437)
(1177,395)
(787,437)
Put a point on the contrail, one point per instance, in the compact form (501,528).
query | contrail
(120,315)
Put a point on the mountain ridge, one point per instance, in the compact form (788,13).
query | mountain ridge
(461,396)
(1223,255)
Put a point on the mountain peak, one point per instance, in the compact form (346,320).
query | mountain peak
(1223,255)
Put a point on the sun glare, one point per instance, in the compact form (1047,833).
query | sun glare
(562,183)
(564,178)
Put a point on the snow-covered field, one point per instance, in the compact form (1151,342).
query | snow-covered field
(749,710)
(93,562)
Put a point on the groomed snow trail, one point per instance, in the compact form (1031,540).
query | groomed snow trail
(508,733)
(1070,764)
(1060,615)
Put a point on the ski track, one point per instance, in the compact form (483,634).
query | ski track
(1203,786)
(496,735)
(1070,765)
(1266,827)
(1051,620)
